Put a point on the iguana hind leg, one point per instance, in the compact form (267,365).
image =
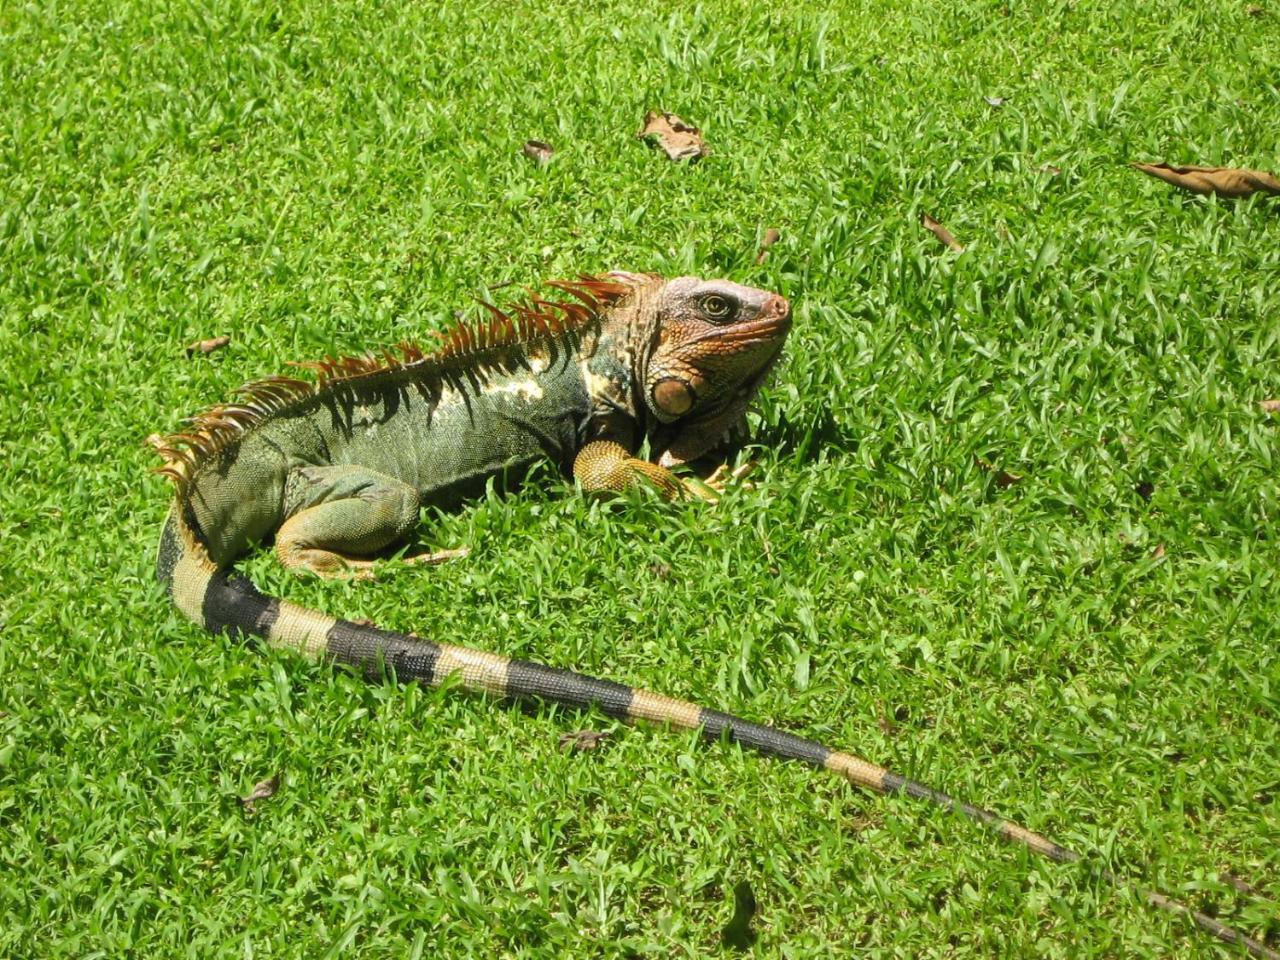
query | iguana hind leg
(339,515)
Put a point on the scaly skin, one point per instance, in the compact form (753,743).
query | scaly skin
(339,470)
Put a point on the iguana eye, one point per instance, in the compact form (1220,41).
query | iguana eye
(716,307)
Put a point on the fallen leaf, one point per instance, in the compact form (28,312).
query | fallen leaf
(1158,552)
(1224,181)
(1253,10)
(770,238)
(737,933)
(261,791)
(538,151)
(995,101)
(1244,886)
(207,346)
(939,231)
(1004,478)
(680,140)
(582,740)
(886,724)
(1049,169)
(660,570)
(1269,406)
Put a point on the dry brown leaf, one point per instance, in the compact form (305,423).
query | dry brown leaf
(1004,478)
(885,722)
(1050,169)
(680,140)
(207,346)
(261,791)
(583,740)
(1244,886)
(1158,552)
(1224,181)
(1269,406)
(538,151)
(770,238)
(939,231)
(1254,10)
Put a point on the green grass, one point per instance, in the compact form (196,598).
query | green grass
(1092,650)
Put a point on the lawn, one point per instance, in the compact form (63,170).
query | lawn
(1013,531)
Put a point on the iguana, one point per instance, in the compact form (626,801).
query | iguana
(336,469)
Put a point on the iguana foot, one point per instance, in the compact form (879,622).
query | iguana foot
(326,564)
(335,566)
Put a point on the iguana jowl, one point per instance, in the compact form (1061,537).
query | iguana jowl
(337,469)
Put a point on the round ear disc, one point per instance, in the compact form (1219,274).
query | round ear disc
(673,397)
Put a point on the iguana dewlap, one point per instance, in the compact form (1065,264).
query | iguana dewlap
(338,469)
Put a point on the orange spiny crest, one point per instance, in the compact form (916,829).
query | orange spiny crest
(487,342)
(577,291)
(409,352)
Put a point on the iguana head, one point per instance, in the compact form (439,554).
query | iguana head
(714,342)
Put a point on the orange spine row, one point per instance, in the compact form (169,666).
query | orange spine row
(480,343)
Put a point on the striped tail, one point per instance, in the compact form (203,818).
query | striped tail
(222,602)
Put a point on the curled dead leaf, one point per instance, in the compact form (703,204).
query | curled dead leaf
(1050,169)
(678,139)
(1223,181)
(884,721)
(262,790)
(1244,886)
(768,240)
(538,151)
(939,231)
(1269,406)
(1004,478)
(583,740)
(1158,552)
(207,346)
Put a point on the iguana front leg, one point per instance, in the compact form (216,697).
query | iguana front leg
(339,515)
(605,466)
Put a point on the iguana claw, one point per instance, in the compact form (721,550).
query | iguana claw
(717,484)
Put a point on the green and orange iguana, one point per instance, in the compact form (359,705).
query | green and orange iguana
(337,469)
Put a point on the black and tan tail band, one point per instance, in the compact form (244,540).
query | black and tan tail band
(233,605)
